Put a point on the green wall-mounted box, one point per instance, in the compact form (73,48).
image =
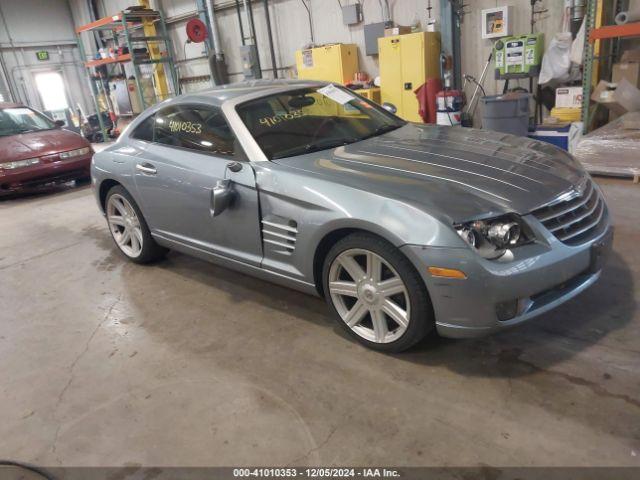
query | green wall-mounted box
(519,56)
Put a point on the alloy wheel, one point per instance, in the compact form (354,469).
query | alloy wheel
(124,225)
(369,295)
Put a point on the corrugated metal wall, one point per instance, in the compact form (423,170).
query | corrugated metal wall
(291,30)
(475,53)
(36,25)
(290,27)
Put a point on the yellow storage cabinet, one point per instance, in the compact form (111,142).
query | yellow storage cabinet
(372,94)
(406,62)
(336,63)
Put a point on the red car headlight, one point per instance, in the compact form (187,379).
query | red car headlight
(19,164)
(75,153)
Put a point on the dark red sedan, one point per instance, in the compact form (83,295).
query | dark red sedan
(35,152)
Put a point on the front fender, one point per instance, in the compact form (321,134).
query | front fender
(318,208)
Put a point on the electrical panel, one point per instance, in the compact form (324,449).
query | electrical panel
(519,56)
(497,22)
(372,32)
(352,14)
(337,63)
(407,62)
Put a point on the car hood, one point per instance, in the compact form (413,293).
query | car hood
(461,172)
(37,144)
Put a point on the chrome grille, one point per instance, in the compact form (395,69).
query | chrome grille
(575,220)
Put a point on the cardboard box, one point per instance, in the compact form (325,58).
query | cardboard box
(569,97)
(619,99)
(398,30)
(628,71)
(604,95)
(631,56)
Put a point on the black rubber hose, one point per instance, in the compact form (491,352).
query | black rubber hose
(313,40)
(27,466)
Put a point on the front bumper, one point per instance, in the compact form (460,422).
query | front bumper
(44,174)
(540,277)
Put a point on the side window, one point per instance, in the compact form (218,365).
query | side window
(195,127)
(144,131)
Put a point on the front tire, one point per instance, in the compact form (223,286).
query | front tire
(128,228)
(376,294)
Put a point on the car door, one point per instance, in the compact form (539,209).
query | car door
(194,158)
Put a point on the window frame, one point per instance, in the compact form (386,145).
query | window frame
(232,106)
(239,154)
(132,134)
(36,113)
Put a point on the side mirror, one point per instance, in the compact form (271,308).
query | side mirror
(59,123)
(221,197)
(389,107)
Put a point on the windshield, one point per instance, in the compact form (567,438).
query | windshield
(21,120)
(311,119)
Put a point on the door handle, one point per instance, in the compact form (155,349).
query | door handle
(146,168)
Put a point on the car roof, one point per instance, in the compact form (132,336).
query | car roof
(222,93)
(10,105)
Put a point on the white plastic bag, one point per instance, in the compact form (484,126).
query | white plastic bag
(575,135)
(556,61)
(577,47)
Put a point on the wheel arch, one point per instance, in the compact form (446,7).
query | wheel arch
(330,238)
(106,185)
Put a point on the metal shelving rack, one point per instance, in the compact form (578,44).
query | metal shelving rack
(134,29)
(587,69)
(593,34)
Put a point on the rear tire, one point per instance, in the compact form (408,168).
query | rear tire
(375,293)
(129,229)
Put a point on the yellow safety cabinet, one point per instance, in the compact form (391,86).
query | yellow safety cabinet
(406,62)
(335,63)
(372,94)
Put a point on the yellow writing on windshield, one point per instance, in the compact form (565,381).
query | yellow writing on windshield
(186,127)
(281,117)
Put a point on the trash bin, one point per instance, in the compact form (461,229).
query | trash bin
(508,113)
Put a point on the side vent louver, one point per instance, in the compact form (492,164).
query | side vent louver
(279,234)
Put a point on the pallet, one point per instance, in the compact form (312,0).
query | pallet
(600,171)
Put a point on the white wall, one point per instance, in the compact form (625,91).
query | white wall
(34,25)
(289,24)
(290,29)
(475,51)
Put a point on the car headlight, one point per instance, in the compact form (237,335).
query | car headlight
(74,153)
(491,238)
(19,164)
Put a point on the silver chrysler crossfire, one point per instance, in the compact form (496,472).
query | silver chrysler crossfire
(402,227)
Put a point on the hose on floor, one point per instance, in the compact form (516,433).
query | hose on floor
(27,466)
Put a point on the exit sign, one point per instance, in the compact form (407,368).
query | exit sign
(42,55)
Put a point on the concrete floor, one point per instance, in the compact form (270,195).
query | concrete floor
(104,362)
